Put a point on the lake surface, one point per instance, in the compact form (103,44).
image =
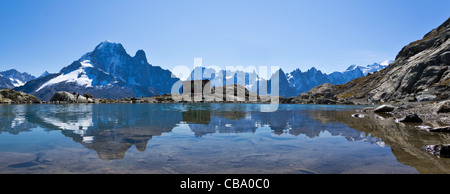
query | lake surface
(210,138)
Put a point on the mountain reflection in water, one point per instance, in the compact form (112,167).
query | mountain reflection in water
(112,129)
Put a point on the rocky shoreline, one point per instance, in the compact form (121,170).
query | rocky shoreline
(438,111)
(426,110)
(432,117)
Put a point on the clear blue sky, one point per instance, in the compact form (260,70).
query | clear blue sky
(39,35)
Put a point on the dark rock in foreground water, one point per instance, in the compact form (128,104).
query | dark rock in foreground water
(412,118)
(440,129)
(439,150)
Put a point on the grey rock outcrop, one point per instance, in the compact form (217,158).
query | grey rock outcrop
(425,97)
(10,96)
(67,97)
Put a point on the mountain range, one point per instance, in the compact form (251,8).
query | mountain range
(110,72)
(291,84)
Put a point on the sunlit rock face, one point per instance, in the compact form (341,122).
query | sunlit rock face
(420,71)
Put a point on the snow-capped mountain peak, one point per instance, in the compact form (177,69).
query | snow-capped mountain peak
(17,78)
(78,76)
(351,67)
(112,47)
(370,68)
(44,74)
(386,63)
(106,72)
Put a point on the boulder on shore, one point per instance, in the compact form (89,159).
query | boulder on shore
(411,118)
(426,97)
(444,107)
(68,97)
(384,108)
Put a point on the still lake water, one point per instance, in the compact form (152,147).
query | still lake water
(209,138)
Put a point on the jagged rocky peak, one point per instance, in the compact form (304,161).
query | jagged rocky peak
(109,56)
(108,46)
(140,57)
(312,70)
(44,74)
(113,52)
(351,67)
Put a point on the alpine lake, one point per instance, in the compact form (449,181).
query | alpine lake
(210,138)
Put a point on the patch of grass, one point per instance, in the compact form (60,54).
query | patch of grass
(444,83)
(428,37)
(359,87)
(347,95)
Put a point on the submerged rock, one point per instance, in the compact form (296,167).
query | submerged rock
(439,150)
(384,108)
(357,115)
(411,118)
(440,129)
(445,129)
